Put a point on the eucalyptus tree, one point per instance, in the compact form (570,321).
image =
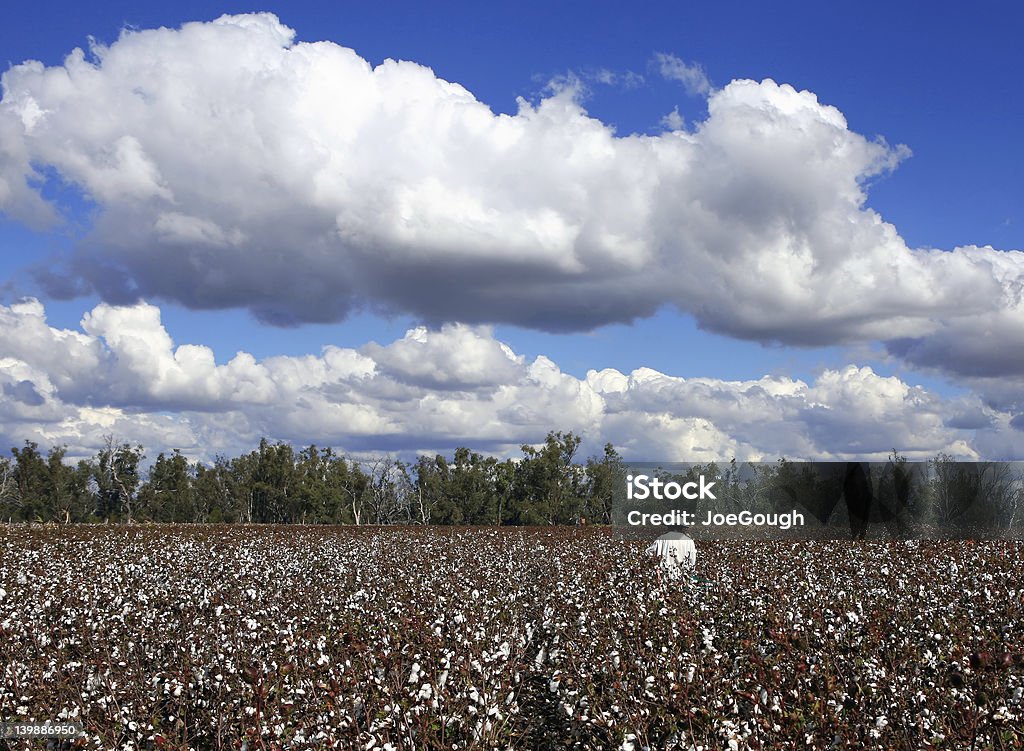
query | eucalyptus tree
(115,471)
(169,493)
(603,478)
(549,486)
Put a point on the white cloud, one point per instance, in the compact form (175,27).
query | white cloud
(673,120)
(457,357)
(627,80)
(235,167)
(435,389)
(690,75)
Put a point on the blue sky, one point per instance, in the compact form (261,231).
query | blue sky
(944,83)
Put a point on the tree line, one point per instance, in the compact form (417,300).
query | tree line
(277,483)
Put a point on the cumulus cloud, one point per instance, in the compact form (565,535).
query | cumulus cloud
(457,357)
(435,389)
(233,166)
(429,388)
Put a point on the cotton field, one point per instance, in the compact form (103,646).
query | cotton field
(230,637)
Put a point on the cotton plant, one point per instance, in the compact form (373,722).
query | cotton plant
(310,638)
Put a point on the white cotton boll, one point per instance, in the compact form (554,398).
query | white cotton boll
(708,639)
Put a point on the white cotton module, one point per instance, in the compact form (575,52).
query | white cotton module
(676,552)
